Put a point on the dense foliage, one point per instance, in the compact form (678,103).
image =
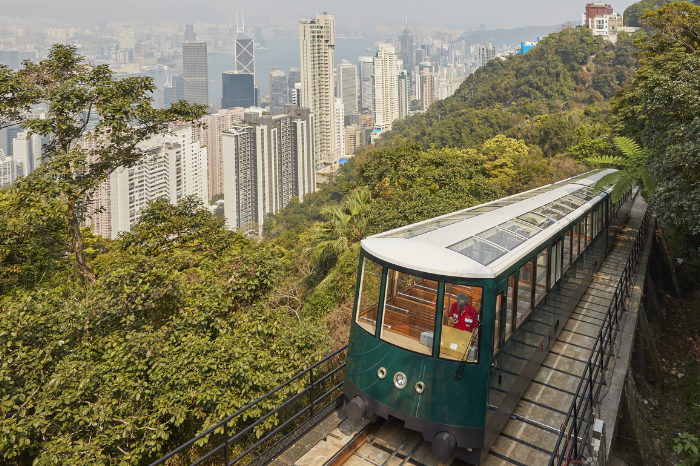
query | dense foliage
(176,333)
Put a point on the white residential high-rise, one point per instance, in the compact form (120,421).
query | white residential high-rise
(317,48)
(404,94)
(210,136)
(348,86)
(366,101)
(340,126)
(127,38)
(175,167)
(386,87)
(265,165)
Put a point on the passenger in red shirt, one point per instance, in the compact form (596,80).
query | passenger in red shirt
(462,314)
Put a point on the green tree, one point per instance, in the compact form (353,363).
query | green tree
(632,169)
(176,334)
(74,95)
(660,109)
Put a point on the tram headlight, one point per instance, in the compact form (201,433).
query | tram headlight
(400,380)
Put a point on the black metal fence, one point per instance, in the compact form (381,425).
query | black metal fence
(235,441)
(575,436)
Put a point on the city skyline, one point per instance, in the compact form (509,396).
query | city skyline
(390,12)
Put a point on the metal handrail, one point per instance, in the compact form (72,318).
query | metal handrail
(226,441)
(585,396)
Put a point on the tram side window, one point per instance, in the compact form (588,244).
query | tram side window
(576,243)
(589,228)
(409,312)
(555,267)
(497,326)
(509,306)
(460,329)
(582,234)
(541,287)
(368,303)
(567,249)
(525,283)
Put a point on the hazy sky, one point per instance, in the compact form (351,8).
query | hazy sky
(440,13)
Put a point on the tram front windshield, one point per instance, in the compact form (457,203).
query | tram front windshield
(460,322)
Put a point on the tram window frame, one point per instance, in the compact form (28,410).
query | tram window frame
(541,274)
(372,330)
(416,310)
(510,306)
(555,268)
(575,242)
(589,228)
(567,264)
(528,294)
(497,323)
(582,235)
(452,351)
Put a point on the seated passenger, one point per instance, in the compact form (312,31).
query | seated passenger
(462,314)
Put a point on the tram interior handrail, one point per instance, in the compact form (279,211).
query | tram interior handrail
(224,423)
(585,397)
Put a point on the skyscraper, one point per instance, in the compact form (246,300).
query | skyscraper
(194,72)
(245,53)
(347,86)
(279,95)
(427,88)
(386,87)
(366,83)
(266,165)
(190,36)
(293,78)
(317,48)
(406,54)
(127,43)
(173,91)
(238,89)
(404,94)
(339,126)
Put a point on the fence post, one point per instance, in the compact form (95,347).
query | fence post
(575,429)
(311,391)
(226,443)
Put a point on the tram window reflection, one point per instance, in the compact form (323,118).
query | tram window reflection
(409,312)
(576,242)
(368,302)
(509,306)
(567,249)
(582,235)
(542,263)
(460,336)
(497,326)
(525,283)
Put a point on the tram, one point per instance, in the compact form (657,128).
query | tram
(458,384)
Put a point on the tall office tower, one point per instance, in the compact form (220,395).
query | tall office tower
(245,52)
(190,36)
(420,56)
(317,48)
(127,44)
(339,126)
(293,78)
(427,88)
(175,167)
(407,55)
(238,89)
(278,92)
(8,169)
(194,72)
(348,86)
(386,87)
(296,95)
(265,165)
(209,136)
(173,91)
(366,83)
(404,94)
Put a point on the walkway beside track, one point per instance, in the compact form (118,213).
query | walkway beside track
(529,437)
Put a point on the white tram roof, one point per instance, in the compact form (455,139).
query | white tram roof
(484,240)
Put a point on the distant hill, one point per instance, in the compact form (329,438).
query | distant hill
(500,37)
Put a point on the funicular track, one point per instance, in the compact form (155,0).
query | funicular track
(316,431)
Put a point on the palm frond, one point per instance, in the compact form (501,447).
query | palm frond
(610,160)
(627,146)
(648,181)
(623,185)
(607,180)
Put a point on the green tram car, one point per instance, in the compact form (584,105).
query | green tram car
(521,261)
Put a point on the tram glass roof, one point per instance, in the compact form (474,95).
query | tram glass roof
(481,241)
